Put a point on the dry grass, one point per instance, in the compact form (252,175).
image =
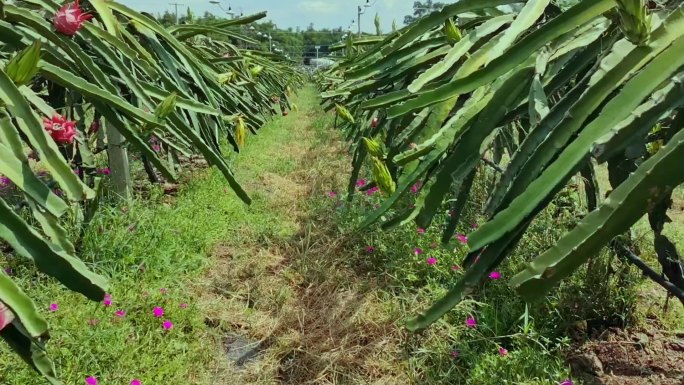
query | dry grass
(312,320)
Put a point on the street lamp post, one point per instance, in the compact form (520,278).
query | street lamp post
(360,11)
(229,11)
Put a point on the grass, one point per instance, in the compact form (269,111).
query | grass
(293,277)
(146,246)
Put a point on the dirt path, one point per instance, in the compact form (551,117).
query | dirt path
(281,308)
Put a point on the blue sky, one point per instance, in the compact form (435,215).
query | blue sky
(293,13)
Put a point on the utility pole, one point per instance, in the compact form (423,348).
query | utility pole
(176,5)
(358,20)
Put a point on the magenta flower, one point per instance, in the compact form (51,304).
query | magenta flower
(332,194)
(462,238)
(156,148)
(5,181)
(416,187)
(455,267)
(431,261)
(9,271)
(567,381)
(495,275)
(418,251)
(361,183)
(107,300)
(91,381)
(370,249)
(421,231)
(184,306)
(104,171)
(68,20)
(475,225)
(54,307)
(120,313)
(167,325)
(502,351)
(471,322)
(158,312)
(136,382)
(372,190)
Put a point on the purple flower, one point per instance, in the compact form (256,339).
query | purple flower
(471,322)
(361,183)
(431,261)
(5,181)
(418,251)
(567,381)
(370,249)
(372,190)
(495,275)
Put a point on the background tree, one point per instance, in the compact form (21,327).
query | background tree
(421,9)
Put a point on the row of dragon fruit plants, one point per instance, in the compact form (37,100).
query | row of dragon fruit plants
(84,84)
(538,93)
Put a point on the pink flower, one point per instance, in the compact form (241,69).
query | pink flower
(418,251)
(372,190)
(70,18)
(332,194)
(421,231)
(104,171)
(455,267)
(61,130)
(455,353)
(156,148)
(136,382)
(370,249)
(54,307)
(120,313)
(431,261)
(5,181)
(107,300)
(91,381)
(475,225)
(502,351)
(462,238)
(495,275)
(158,312)
(567,381)
(416,187)
(374,123)
(471,322)
(184,306)
(361,183)
(163,290)
(167,325)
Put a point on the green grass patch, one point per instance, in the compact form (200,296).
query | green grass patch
(152,250)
